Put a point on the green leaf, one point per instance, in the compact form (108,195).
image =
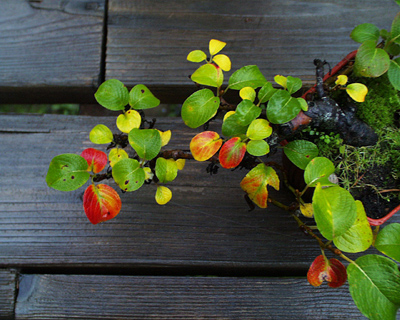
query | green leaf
(256,181)
(318,170)
(301,152)
(303,104)
(259,129)
(293,84)
(100,134)
(394,73)
(67,172)
(388,241)
(128,174)
(146,142)
(247,76)
(266,92)
(359,237)
(246,112)
(166,170)
(231,126)
(371,61)
(282,107)
(334,210)
(199,107)
(208,75)
(112,95)
(257,148)
(196,56)
(374,283)
(141,97)
(365,32)
(395,31)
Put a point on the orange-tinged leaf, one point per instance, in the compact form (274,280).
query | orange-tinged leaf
(256,181)
(216,46)
(204,145)
(232,153)
(101,203)
(332,271)
(96,159)
(223,61)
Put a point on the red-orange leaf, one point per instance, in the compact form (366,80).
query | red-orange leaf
(256,181)
(96,159)
(101,203)
(332,271)
(232,153)
(204,145)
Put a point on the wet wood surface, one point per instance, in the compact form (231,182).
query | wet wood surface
(137,264)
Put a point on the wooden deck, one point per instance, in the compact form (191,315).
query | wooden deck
(202,256)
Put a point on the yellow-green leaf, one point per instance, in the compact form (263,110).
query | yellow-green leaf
(129,120)
(357,91)
(341,80)
(259,129)
(247,93)
(163,195)
(216,46)
(196,56)
(165,137)
(116,155)
(180,163)
(228,114)
(209,75)
(281,80)
(307,210)
(223,61)
(100,134)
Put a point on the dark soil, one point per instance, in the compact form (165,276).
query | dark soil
(375,205)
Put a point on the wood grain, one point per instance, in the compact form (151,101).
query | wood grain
(206,225)
(148,41)
(8,289)
(136,297)
(50,50)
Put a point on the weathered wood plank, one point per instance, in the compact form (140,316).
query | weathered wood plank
(148,41)
(206,225)
(8,282)
(136,297)
(50,50)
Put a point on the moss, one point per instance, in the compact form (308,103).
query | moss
(381,103)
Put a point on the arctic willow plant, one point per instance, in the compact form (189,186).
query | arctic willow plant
(248,132)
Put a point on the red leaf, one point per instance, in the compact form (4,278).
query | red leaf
(332,271)
(232,153)
(101,203)
(204,145)
(96,159)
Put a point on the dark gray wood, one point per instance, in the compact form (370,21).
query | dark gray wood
(51,50)
(8,287)
(206,226)
(148,41)
(115,297)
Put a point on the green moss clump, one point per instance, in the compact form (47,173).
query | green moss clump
(381,103)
